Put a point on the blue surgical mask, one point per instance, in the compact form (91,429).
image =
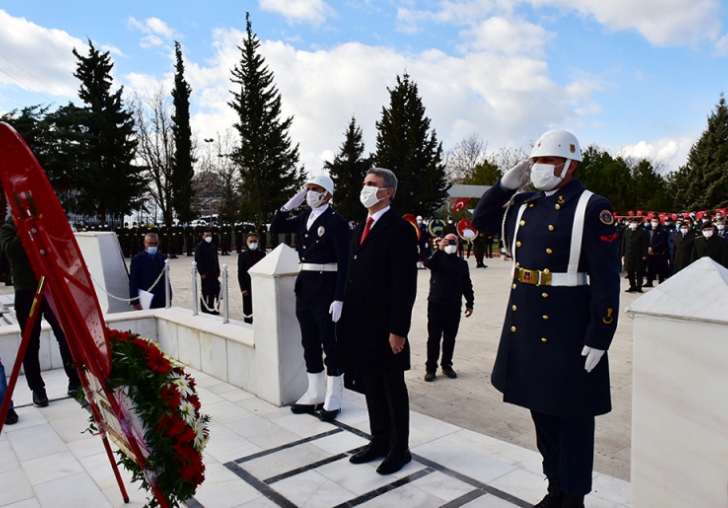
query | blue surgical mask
(152,250)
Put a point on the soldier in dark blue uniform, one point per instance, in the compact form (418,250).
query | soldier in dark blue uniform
(563,308)
(322,241)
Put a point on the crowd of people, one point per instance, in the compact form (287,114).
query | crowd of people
(357,286)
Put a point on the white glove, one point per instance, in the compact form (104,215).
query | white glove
(592,357)
(515,176)
(335,310)
(295,201)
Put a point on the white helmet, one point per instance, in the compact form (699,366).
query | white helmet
(557,143)
(322,180)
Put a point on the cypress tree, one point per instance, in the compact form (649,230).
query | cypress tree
(182,162)
(347,171)
(265,157)
(406,145)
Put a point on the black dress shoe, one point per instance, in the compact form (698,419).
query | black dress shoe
(648,285)
(449,372)
(368,454)
(300,409)
(12,417)
(572,502)
(555,496)
(327,416)
(429,376)
(394,462)
(630,290)
(40,399)
(73,387)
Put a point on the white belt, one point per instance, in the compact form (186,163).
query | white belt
(547,278)
(314,267)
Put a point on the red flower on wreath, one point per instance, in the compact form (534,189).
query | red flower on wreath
(195,401)
(171,396)
(174,425)
(157,362)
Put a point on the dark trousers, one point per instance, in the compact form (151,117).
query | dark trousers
(248,307)
(388,407)
(478,258)
(210,291)
(442,324)
(317,330)
(635,278)
(656,268)
(489,248)
(31,361)
(567,448)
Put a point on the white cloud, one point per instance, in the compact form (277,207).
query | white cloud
(508,36)
(299,11)
(37,58)
(112,49)
(661,22)
(667,153)
(157,32)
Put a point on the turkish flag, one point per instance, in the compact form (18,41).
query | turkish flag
(630,213)
(460,204)
(699,215)
(639,213)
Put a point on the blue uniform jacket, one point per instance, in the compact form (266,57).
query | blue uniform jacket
(539,363)
(327,241)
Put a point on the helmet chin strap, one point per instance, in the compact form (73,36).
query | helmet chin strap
(565,169)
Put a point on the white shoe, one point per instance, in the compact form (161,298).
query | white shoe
(334,394)
(314,397)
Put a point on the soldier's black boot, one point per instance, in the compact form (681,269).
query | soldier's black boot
(572,501)
(555,496)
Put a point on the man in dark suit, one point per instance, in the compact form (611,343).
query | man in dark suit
(563,308)
(633,250)
(380,292)
(322,241)
(708,244)
(657,253)
(208,266)
(145,269)
(246,260)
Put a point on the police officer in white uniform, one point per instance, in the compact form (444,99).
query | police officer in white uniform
(322,242)
(563,308)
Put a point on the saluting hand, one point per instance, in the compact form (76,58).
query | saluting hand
(396,342)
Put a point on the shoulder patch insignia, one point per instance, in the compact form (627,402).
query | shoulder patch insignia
(606,217)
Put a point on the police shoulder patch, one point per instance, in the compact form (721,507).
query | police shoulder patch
(606,217)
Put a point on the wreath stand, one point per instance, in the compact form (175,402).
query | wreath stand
(65,283)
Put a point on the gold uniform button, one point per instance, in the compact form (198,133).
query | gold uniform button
(551,228)
(545,295)
(523,223)
(558,206)
(549,251)
(518,265)
(546,271)
(518,244)
(545,317)
(513,328)
(544,339)
(514,286)
(514,308)
(530,205)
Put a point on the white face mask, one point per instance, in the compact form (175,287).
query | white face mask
(315,199)
(543,178)
(208,239)
(684,231)
(720,227)
(655,224)
(252,246)
(707,233)
(633,225)
(368,196)
(451,249)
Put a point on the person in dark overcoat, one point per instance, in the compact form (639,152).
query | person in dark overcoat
(246,260)
(563,308)
(633,251)
(683,246)
(208,266)
(708,244)
(322,242)
(146,267)
(657,252)
(380,293)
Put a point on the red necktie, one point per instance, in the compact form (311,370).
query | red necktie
(367,227)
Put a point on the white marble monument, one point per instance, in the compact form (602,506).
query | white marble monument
(105,263)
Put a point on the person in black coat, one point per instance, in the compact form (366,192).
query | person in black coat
(145,268)
(246,259)
(449,282)
(710,245)
(381,288)
(563,308)
(208,266)
(682,249)
(657,253)
(322,241)
(633,250)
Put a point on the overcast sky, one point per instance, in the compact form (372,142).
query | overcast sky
(637,77)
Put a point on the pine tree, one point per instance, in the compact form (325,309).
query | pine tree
(109,183)
(703,182)
(265,157)
(348,171)
(182,164)
(406,146)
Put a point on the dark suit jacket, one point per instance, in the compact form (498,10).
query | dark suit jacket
(143,272)
(246,259)
(381,287)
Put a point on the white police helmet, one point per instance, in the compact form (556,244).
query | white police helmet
(322,180)
(557,143)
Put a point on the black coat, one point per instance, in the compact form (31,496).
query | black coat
(714,247)
(657,239)
(539,364)
(634,249)
(682,249)
(143,272)
(207,260)
(246,259)
(449,280)
(381,287)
